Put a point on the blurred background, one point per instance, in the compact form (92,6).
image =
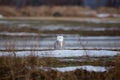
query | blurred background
(88,3)
(71,8)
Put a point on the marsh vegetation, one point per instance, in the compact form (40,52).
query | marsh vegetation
(91,50)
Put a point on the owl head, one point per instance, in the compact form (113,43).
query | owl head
(60,38)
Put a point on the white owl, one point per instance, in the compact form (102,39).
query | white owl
(59,44)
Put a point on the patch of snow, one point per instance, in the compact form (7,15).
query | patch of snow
(103,21)
(87,67)
(7,22)
(100,37)
(73,68)
(19,34)
(23,25)
(102,15)
(67,28)
(64,53)
(4,22)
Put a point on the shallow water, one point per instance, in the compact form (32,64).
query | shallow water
(46,41)
(50,29)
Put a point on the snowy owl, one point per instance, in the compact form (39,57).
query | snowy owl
(59,44)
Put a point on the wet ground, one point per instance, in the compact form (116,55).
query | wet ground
(91,38)
(39,35)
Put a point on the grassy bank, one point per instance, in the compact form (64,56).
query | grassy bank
(56,11)
(15,68)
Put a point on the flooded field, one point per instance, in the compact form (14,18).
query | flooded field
(95,41)
(41,34)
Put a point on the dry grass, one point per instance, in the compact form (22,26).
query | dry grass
(108,10)
(56,11)
(16,29)
(9,11)
(25,68)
